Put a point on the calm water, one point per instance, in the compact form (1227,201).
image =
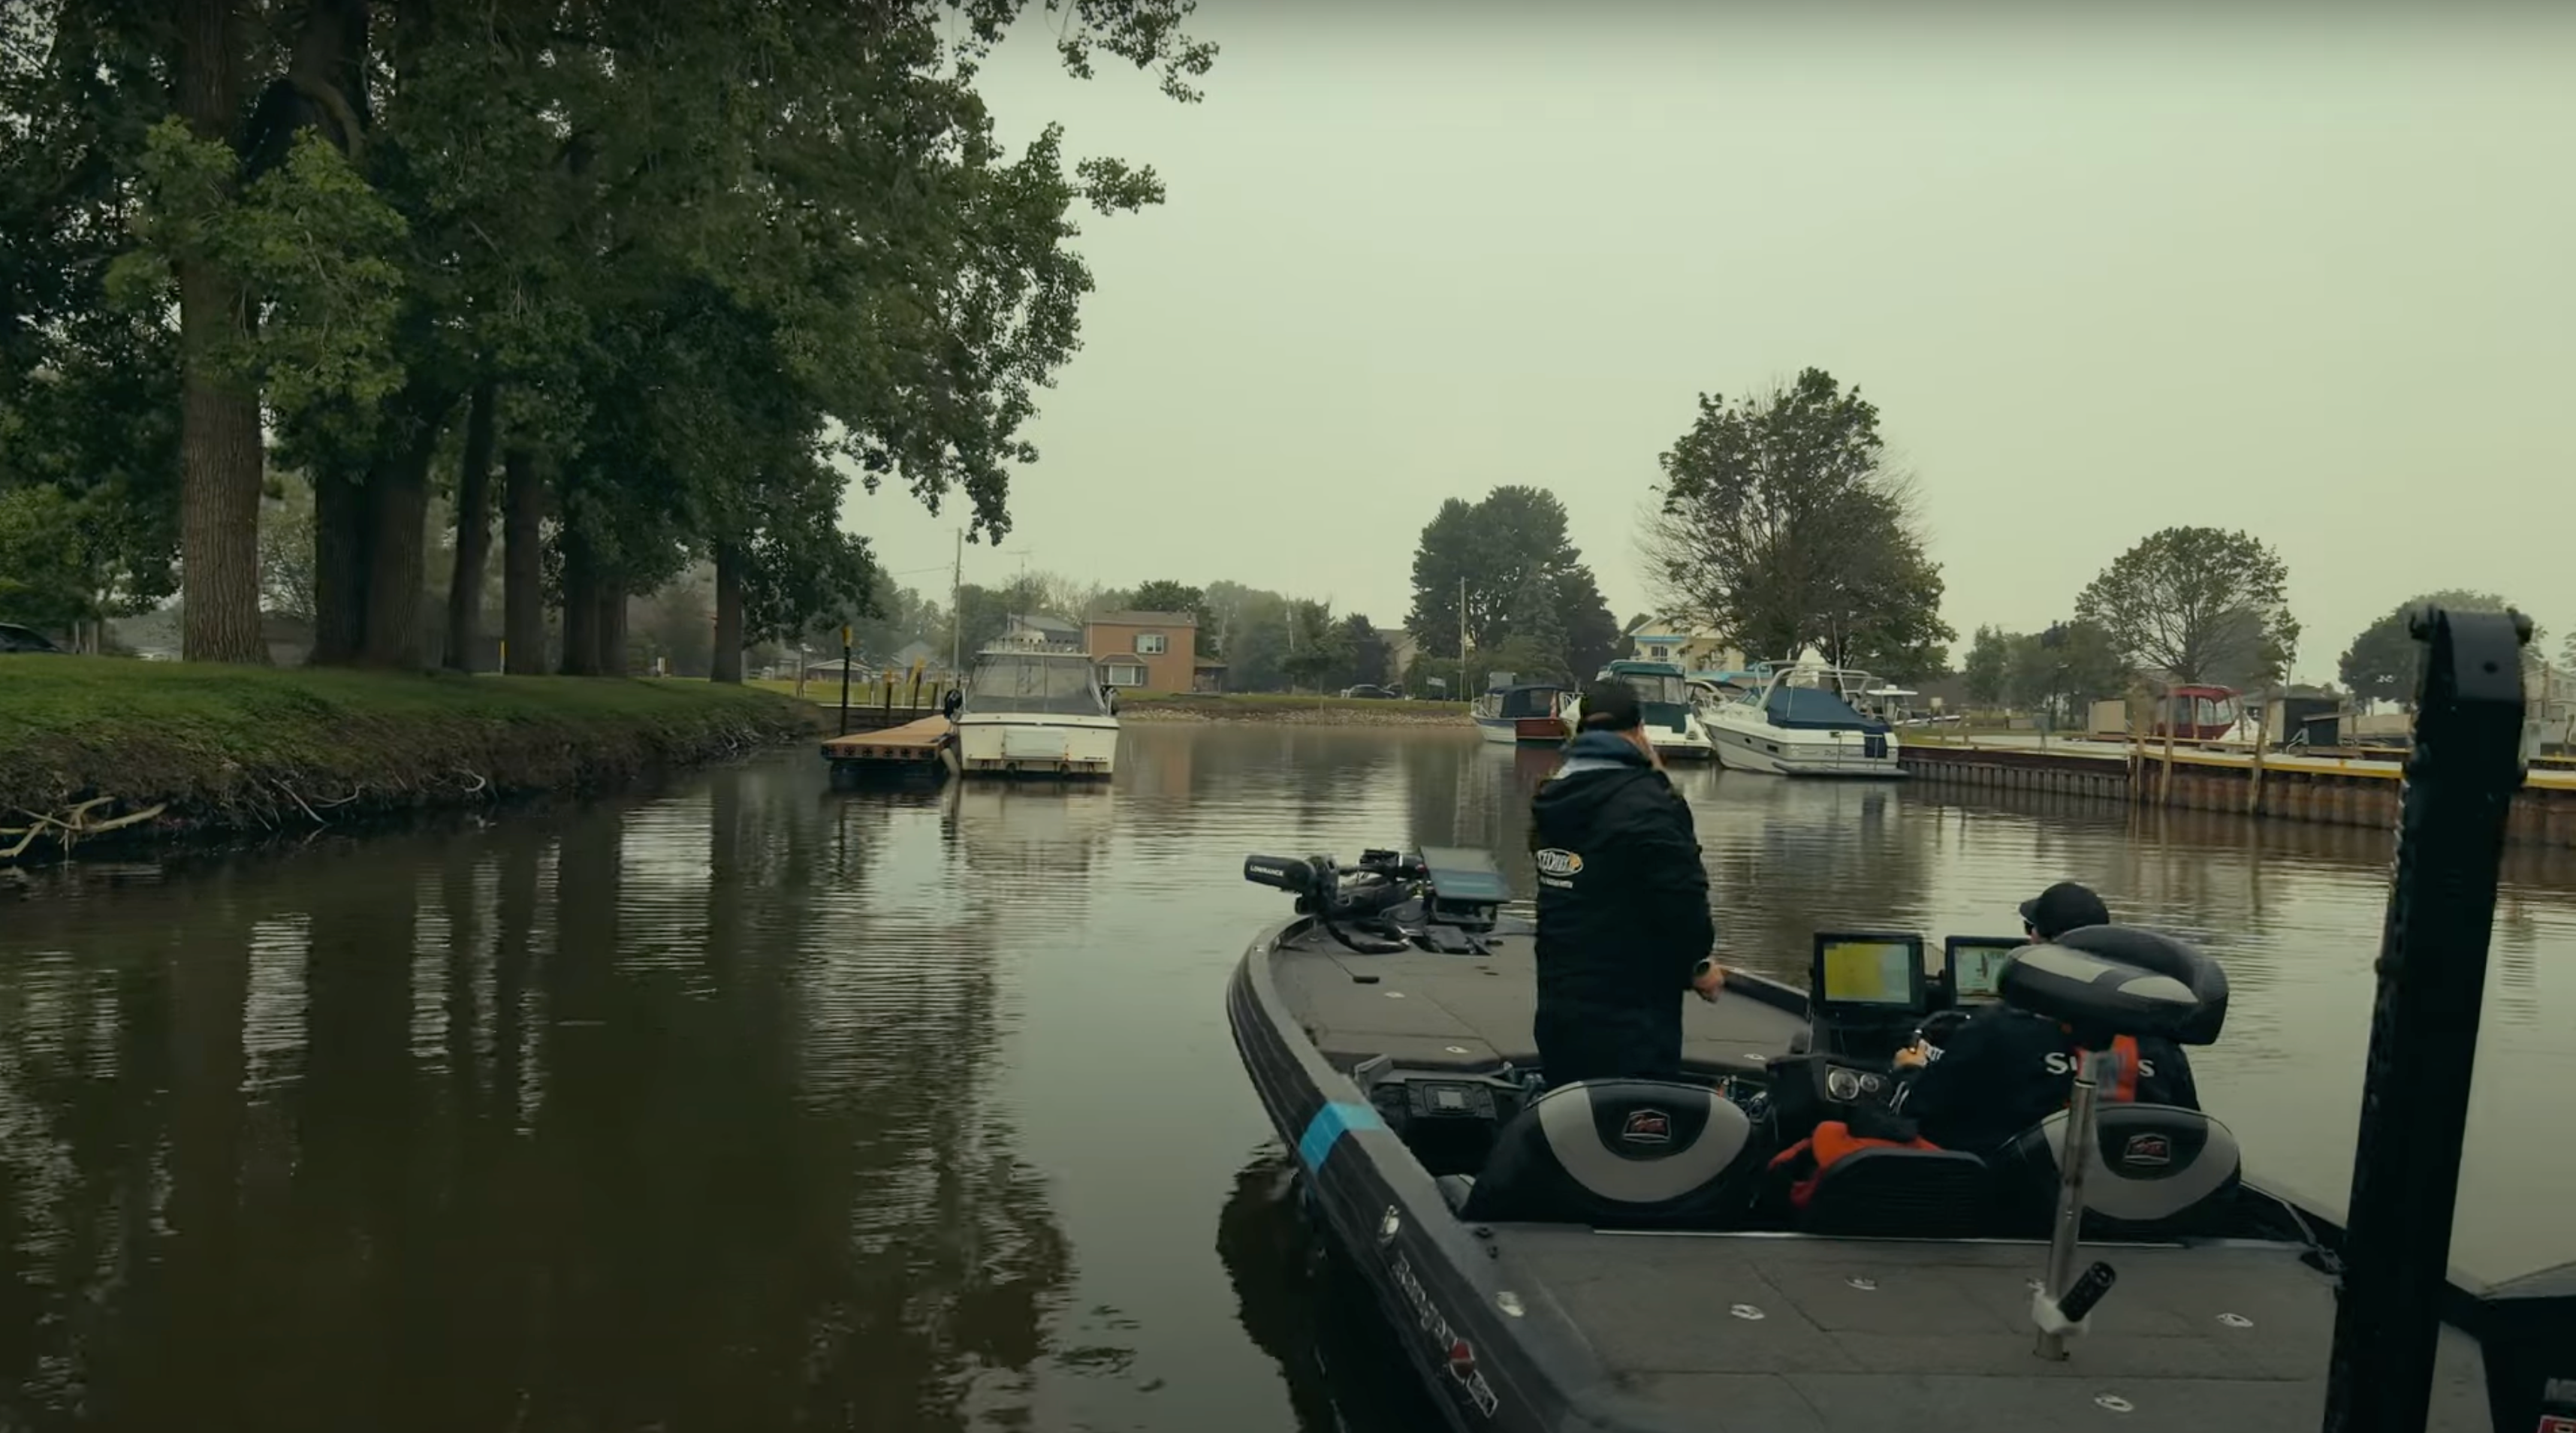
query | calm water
(756,1106)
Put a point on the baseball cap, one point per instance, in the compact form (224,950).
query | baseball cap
(1611,706)
(2063,907)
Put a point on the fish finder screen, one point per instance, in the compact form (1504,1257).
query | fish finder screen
(1869,971)
(1977,963)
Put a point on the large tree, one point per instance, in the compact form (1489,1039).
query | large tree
(1987,666)
(2197,604)
(1592,632)
(1779,523)
(677,271)
(1489,555)
(2384,662)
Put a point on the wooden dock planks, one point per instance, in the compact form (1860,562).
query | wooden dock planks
(914,743)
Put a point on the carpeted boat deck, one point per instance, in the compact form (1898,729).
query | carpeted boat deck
(1739,1333)
(1469,1012)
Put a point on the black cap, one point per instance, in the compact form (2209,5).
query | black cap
(2063,907)
(1611,706)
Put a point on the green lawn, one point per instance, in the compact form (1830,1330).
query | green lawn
(228,746)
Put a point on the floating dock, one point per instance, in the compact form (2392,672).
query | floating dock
(914,750)
(2332,790)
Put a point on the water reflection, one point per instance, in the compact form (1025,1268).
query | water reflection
(762,1105)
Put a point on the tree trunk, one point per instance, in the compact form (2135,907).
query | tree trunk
(580,608)
(523,565)
(339,568)
(726,664)
(219,446)
(473,533)
(612,627)
(397,519)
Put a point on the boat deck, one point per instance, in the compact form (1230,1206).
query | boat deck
(1787,1335)
(1470,1012)
(1719,1332)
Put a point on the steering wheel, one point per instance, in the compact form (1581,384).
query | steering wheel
(1940,1025)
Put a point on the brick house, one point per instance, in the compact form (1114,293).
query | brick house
(1148,651)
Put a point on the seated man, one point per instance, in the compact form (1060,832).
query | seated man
(2006,1069)
(1623,920)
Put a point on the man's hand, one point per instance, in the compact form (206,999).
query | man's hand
(1710,981)
(1914,1056)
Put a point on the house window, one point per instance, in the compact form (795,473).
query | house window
(1151,644)
(1659,653)
(1126,674)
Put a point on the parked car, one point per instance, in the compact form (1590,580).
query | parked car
(14,638)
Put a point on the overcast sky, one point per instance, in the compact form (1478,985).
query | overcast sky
(2312,277)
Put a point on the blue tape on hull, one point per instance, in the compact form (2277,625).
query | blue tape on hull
(1335,1119)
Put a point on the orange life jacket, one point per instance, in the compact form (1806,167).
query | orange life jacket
(1808,1159)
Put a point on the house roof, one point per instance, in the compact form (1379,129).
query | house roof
(1145,619)
(1039,621)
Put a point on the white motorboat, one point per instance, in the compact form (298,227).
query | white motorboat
(1664,698)
(1805,720)
(1033,709)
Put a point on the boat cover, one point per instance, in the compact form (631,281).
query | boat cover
(1814,709)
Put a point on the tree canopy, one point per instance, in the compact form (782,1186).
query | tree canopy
(1779,523)
(644,285)
(2197,604)
(2385,662)
(1507,557)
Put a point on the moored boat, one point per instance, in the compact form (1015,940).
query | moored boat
(1522,713)
(1665,700)
(1035,710)
(1805,719)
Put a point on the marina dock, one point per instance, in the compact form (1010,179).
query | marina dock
(2336,790)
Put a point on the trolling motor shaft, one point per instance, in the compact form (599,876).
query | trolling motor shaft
(2467,761)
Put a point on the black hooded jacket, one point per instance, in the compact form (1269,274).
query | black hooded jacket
(1623,911)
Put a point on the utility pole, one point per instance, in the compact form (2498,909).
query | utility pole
(956,604)
(1462,641)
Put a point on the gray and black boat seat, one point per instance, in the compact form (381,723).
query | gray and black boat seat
(2156,1169)
(1616,1153)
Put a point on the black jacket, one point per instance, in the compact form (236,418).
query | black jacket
(1622,913)
(2006,1070)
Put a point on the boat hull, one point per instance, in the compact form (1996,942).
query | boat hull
(1522,731)
(1425,1276)
(1776,752)
(1037,747)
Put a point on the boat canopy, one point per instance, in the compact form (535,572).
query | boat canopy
(1653,682)
(1529,699)
(1814,709)
(1035,683)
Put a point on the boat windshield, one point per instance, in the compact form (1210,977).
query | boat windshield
(1528,702)
(1025,683)
(1658,687)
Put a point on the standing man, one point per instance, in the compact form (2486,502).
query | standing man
(1623,918)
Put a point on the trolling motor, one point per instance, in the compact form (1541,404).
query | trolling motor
(2468,759)
(1443,899)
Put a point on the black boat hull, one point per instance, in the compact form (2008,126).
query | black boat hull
(1436,1282)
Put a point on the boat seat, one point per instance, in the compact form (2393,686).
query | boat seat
(1617,1152)
(1899,1193)
(2156,1170)
(1456,1189)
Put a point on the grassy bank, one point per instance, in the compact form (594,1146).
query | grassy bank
(87,743)
(1277,707)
